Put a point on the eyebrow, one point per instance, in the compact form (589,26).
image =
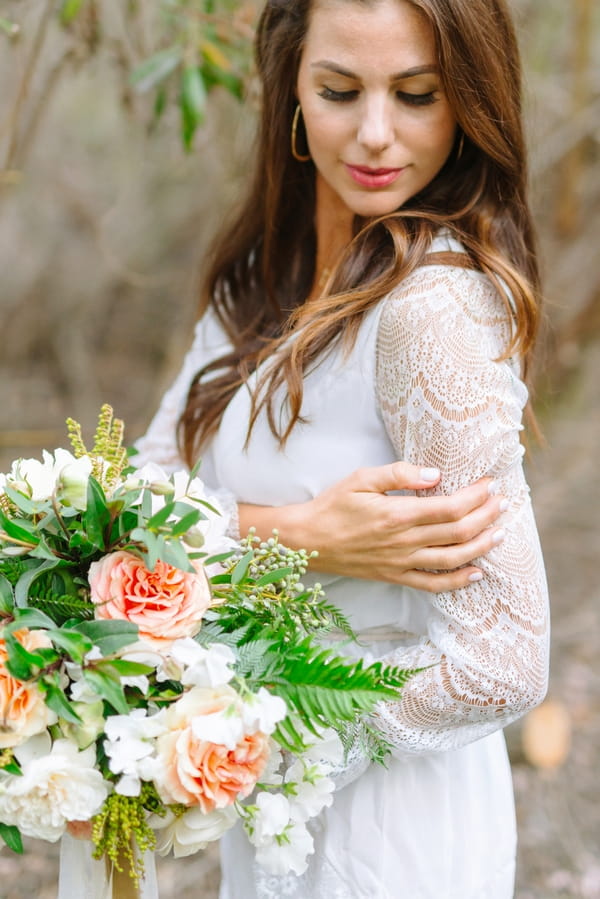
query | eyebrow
(399,76)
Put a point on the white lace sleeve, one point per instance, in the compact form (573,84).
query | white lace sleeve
(446,402)
(159,443)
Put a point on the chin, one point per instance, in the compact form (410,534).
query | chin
(374,206)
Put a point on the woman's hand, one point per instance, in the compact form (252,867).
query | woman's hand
(360,531)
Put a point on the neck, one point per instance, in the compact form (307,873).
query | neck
(333,225)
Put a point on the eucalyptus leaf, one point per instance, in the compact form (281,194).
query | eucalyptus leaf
(241,569)
(108,636)
(273,577)
(161,517)
(174,554)
(184,524)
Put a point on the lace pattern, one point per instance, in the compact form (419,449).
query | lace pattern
(447,402)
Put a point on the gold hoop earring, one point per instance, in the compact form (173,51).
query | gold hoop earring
(461,146)
(295,153)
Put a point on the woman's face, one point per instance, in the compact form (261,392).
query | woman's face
(378,123)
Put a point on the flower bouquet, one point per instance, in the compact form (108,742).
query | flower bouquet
(158,679)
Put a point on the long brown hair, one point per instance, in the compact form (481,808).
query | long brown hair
(263,264)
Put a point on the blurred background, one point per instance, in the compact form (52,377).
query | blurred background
(123,140)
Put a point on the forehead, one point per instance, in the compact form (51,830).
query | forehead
(382,33)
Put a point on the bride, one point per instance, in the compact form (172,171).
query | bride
(375,299)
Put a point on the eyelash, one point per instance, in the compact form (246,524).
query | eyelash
(410,99)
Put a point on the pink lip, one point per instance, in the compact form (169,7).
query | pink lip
(368,177)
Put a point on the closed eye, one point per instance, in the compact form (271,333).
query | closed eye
(417,99)
(338,96)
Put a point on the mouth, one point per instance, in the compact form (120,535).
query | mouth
(371,177)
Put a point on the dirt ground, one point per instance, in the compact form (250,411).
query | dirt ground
(558,810)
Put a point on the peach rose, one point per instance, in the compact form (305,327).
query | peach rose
(166,603)
(23,711)
(196,771)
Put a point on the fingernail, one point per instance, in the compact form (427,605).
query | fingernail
(493,488)
(499,536)
(503,505)
(476,576)
(429,474)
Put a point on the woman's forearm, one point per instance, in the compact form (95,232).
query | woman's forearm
(360,531)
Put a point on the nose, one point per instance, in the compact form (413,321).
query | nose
(376,126)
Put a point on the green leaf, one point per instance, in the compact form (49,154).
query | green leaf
(156,68)
(193,103)
(124,668)
(26,580)
(43,550)
(174,554)
(96,517)
(272,577)
(108,688)
(12,837)
(220,557)
(69,10)
(161,517)
(17,532)
(22,502)
(57,701)
(30,618)
(75,644)
(19,663)
(184,524)
(7,596)
(109,636)
(239,572)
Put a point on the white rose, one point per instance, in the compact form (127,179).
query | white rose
(56,787)
(188,833)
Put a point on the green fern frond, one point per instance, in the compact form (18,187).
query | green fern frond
(325,688)
(12,569)
(61,607)
(256,659)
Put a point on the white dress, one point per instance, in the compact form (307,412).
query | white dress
(421,384)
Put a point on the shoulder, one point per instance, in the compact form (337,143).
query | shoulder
(455,303)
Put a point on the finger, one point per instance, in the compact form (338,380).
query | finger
(443,581)
(451,557)
(395,476)
(470,527)
(424,510)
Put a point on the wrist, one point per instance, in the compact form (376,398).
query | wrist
(289,522)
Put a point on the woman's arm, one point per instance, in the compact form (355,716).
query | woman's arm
(357,529)
(448,402)
(361,532)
